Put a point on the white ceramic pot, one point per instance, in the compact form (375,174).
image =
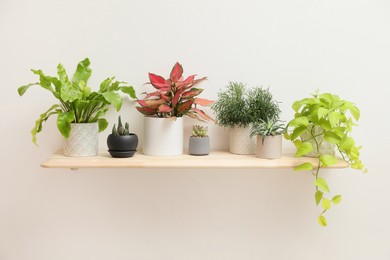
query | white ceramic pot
(325,147)
(83,140)
(163,136)
(270,148)
(240,141)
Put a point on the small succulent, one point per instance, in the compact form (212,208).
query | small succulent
(270,127)
(199,131)
(121,130)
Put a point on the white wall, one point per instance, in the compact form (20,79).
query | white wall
(292,46)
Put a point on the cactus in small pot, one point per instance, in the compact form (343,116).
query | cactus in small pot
(121,143)
(199,141)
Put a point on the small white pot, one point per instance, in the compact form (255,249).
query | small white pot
(163,136)
(240,141)
(83,140)
(270,148)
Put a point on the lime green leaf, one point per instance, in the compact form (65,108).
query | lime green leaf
(328,159)
(69,92)
(129,90)
(23,89)
(355,112)
(336,199)
(104,85)
(325,204)
(297,131)
(297,105)
(113,98)
(333,118)
(102,124)
(44,81)
(304,167)
(331,137)
(38,124)
(321,183)
(322,221)
(325,124)
(346,143)
(63,123)
(302,148)
(83,72)
(322,112)
(299,121)
(287,136)
(318,196)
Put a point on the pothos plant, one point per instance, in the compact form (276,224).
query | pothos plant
(76,101)
(174,97)
(324,118)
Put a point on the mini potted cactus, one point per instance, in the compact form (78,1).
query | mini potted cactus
(199,141)
(121,143)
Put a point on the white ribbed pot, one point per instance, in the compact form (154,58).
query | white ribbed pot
(240,141)
(325,147)
(270,147)
(163,136)
(83,140)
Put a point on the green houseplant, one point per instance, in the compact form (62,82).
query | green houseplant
(164,108)
(324,118)
(237,108)
(199,143)
(77,103)
(269,138)
(121,142)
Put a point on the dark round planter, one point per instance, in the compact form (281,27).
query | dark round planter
(122,146)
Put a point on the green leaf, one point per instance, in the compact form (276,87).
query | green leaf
(318,197)
(302,148)
(129,90)
(102,124)
(355,112)
(299,121)
(297,131)
(328,160)
(304,167)
(43,117)
(322,221)
(325,204)
(23,89)
(83,72)
(346,143)
(113,98)
(336,199)
(333,118)
(322,112)
(331,137)
(44,81)
(104,85)
(297,105)
(69,92)
(321,183)
(63,123)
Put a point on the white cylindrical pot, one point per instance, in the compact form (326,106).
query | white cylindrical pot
(240,141)
(270,148)
(163,136)
(83,140)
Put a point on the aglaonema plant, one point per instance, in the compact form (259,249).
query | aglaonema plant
(324,118)
(77,103)
(174,97)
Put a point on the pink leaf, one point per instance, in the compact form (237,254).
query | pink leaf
(203,114)
(148,111)
(184,83)
(196,81)
(176,97)
(164,108)
(158,81)
(192,93)
(194,116)
(184,107)
(203,102)
(177,72)
(151,102)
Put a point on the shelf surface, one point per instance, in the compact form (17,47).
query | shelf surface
(216,159)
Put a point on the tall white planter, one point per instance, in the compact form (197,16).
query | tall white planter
(163,136)
(240,141)
(270,148)
(83,140)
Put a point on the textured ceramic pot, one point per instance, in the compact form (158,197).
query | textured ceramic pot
(199,145)
(122,146)
(83,140)
(325,147)
(163,136)
(240,141)
(270,147)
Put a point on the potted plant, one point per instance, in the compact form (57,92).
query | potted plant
(324,118)
(237,109)
(164,108)
(80,112)
(121,143)
(269,138)
(199,141)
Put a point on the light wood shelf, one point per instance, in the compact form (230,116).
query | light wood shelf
(215,160)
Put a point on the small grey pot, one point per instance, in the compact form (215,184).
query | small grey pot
(270,148)
(199,145)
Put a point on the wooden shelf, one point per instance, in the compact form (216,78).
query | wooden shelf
(216,160)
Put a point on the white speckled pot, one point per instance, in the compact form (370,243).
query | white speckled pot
(83,140)
(270,148)
(240,141)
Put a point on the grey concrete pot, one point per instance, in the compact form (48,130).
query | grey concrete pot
(199,145)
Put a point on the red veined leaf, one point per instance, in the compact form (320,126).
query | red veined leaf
(184,107)
(147,110)
(184,83)
(176,98)
(203,102)
(202,114)
(194,116)
(191,93)
(158,81)
(164,108)
(151,102)
(196,81)
(177,72)
(153,94)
